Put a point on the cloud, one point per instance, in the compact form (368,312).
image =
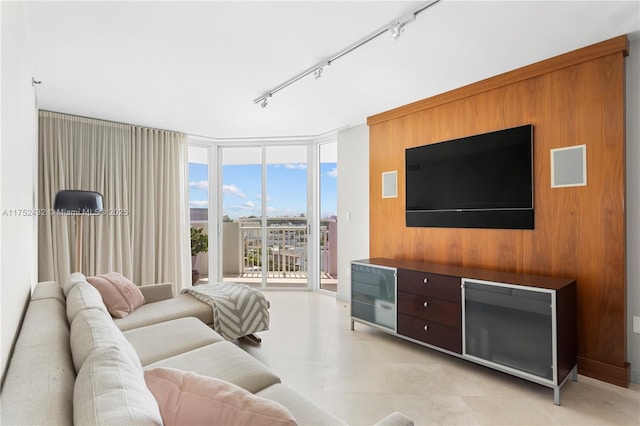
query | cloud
(301,166)
(233,190)
(202,185)
(249,205)
(246,207)
(199,203)
(333,173)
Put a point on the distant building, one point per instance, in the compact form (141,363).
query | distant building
(198,214)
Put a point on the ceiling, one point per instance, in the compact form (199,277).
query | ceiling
(196,67)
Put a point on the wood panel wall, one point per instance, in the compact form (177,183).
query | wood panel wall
(573,99)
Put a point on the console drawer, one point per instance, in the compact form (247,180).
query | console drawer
(441,311)
(441,286)
(433,333)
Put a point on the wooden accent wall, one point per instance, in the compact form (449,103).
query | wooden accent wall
(573,99)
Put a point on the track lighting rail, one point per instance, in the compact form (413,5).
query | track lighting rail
(395,27)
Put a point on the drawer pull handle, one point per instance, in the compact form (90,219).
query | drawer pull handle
(425,304)
(426,328)
(426,280)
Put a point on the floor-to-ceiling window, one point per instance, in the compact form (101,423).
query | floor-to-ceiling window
(199,211)
(264,212)
(242,237)
(274,228)
(328,207)
(287,230)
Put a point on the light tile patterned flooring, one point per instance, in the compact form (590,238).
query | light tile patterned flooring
(360,376)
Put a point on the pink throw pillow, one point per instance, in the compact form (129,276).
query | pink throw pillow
(120,295)
(187,398)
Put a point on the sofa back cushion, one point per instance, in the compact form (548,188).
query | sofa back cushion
(93,329)
(81,297)
(110,390)
(72,280)
(48,290)
(120,295)
(187,398)
(39,381)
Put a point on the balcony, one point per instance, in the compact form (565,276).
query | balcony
(287,257)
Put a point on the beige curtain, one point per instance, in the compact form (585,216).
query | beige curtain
(141,173)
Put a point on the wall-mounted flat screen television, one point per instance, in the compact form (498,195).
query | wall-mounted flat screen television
(480,181)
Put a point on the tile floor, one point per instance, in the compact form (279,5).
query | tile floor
(360,376)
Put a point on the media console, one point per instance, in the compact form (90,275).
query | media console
(524,325)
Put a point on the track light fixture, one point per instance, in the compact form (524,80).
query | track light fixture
(317,73)
(395,27)
(395,31)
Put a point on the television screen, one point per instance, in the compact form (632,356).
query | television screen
(480,181)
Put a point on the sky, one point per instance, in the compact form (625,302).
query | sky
(286,189)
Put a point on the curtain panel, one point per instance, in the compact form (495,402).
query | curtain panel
(141,173)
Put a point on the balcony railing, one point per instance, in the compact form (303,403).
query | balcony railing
(286,246)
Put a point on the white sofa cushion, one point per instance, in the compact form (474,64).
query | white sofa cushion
(71,281)
(110,390)
(223,361)
(185,334)
(304,410)
(81,297)
(93,329)
(48,290)
(38,386)
(180,306)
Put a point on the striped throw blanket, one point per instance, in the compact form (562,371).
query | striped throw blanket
(238,310)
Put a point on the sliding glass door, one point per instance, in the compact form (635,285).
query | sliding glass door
(287,225)
(264,216)
(241,190)
(328,202)
(268,212)
(199,212)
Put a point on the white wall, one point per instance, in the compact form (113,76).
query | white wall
(633,206)
(353,203)
(18,175)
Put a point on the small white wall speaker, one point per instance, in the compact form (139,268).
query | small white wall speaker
(569,166)
(390,184)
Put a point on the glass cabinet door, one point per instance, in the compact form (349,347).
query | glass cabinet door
(509,326)
(373,294)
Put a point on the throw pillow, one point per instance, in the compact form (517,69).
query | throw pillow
(120,295)
(186,398)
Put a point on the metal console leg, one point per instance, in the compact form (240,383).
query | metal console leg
(556,395)
(573,375)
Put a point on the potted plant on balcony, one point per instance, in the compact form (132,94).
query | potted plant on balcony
(199,244)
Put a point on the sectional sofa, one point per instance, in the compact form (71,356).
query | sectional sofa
(73,365)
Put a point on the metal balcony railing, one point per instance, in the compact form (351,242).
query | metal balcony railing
(286,245)
(286,248)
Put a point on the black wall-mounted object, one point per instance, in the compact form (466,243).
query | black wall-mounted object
(480,181)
